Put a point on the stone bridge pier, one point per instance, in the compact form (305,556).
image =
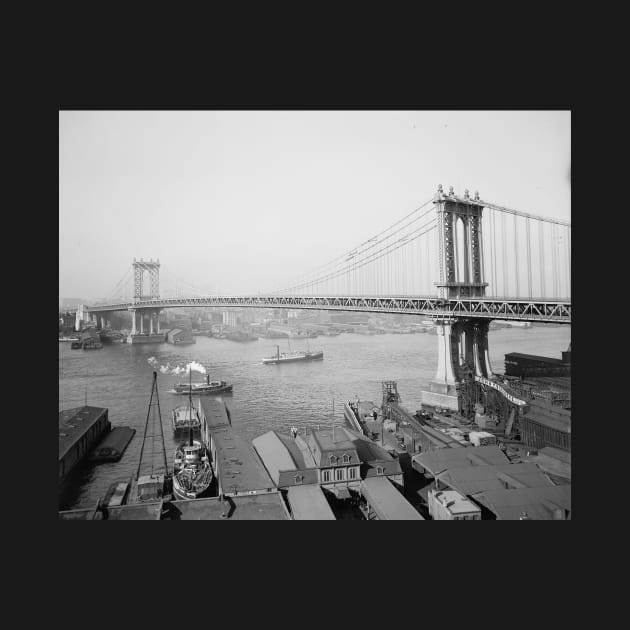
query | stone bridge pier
(462,346)
(145,326)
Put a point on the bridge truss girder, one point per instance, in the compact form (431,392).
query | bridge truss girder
(487,308)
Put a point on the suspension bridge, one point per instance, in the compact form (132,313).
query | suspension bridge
(459,260)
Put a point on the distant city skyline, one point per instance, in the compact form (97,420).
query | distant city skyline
(242,201)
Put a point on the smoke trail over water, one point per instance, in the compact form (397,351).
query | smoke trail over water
(193,366)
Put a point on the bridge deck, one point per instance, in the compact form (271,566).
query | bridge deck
(540,310)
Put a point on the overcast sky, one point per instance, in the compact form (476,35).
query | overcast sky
(241,201)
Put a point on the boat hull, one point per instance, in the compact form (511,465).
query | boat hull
(274,360)
(179,492)
(204,392)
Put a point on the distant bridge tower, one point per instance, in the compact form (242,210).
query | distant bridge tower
(145,321)
(139,268)
(462,343)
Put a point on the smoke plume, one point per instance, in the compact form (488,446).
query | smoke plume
(193,366)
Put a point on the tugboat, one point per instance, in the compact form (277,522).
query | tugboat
(209,387)
(154,486)
(192,471)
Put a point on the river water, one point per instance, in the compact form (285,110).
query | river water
(265,397)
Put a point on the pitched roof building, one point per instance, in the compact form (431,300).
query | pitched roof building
(336,459)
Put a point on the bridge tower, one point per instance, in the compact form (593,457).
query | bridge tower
(139,269)
(149,332)
(462,343)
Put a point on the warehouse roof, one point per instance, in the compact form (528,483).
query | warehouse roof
(474,479)
(439,461)
(537,503)
(73,423)
(388,502)
(308,503)
(533,357)
(275,454)
(240,469)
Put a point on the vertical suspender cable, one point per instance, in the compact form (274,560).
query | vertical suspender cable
(401,261)
(493,229)
(568,259)
(541,246)
(426,275)
(388,264)
(504,255)
(414,269)
(403,275)
(406,258)
(395,270)
(529,259)
(517,294)
(554,260)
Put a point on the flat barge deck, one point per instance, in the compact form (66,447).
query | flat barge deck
(113,445)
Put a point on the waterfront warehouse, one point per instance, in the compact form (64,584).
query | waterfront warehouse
(79,430)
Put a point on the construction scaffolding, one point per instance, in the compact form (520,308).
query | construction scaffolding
(390,397)
(488,407)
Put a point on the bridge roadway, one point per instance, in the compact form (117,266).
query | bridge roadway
(517,309)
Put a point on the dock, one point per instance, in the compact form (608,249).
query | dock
(80,429)
(265,507)
(259,507)
(236,465)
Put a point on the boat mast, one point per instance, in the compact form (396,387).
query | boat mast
(190,407)
(146,424)
(157,398)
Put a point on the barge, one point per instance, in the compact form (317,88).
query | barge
(113,445)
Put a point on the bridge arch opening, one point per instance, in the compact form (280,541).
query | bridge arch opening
(461,253)
(146,283)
